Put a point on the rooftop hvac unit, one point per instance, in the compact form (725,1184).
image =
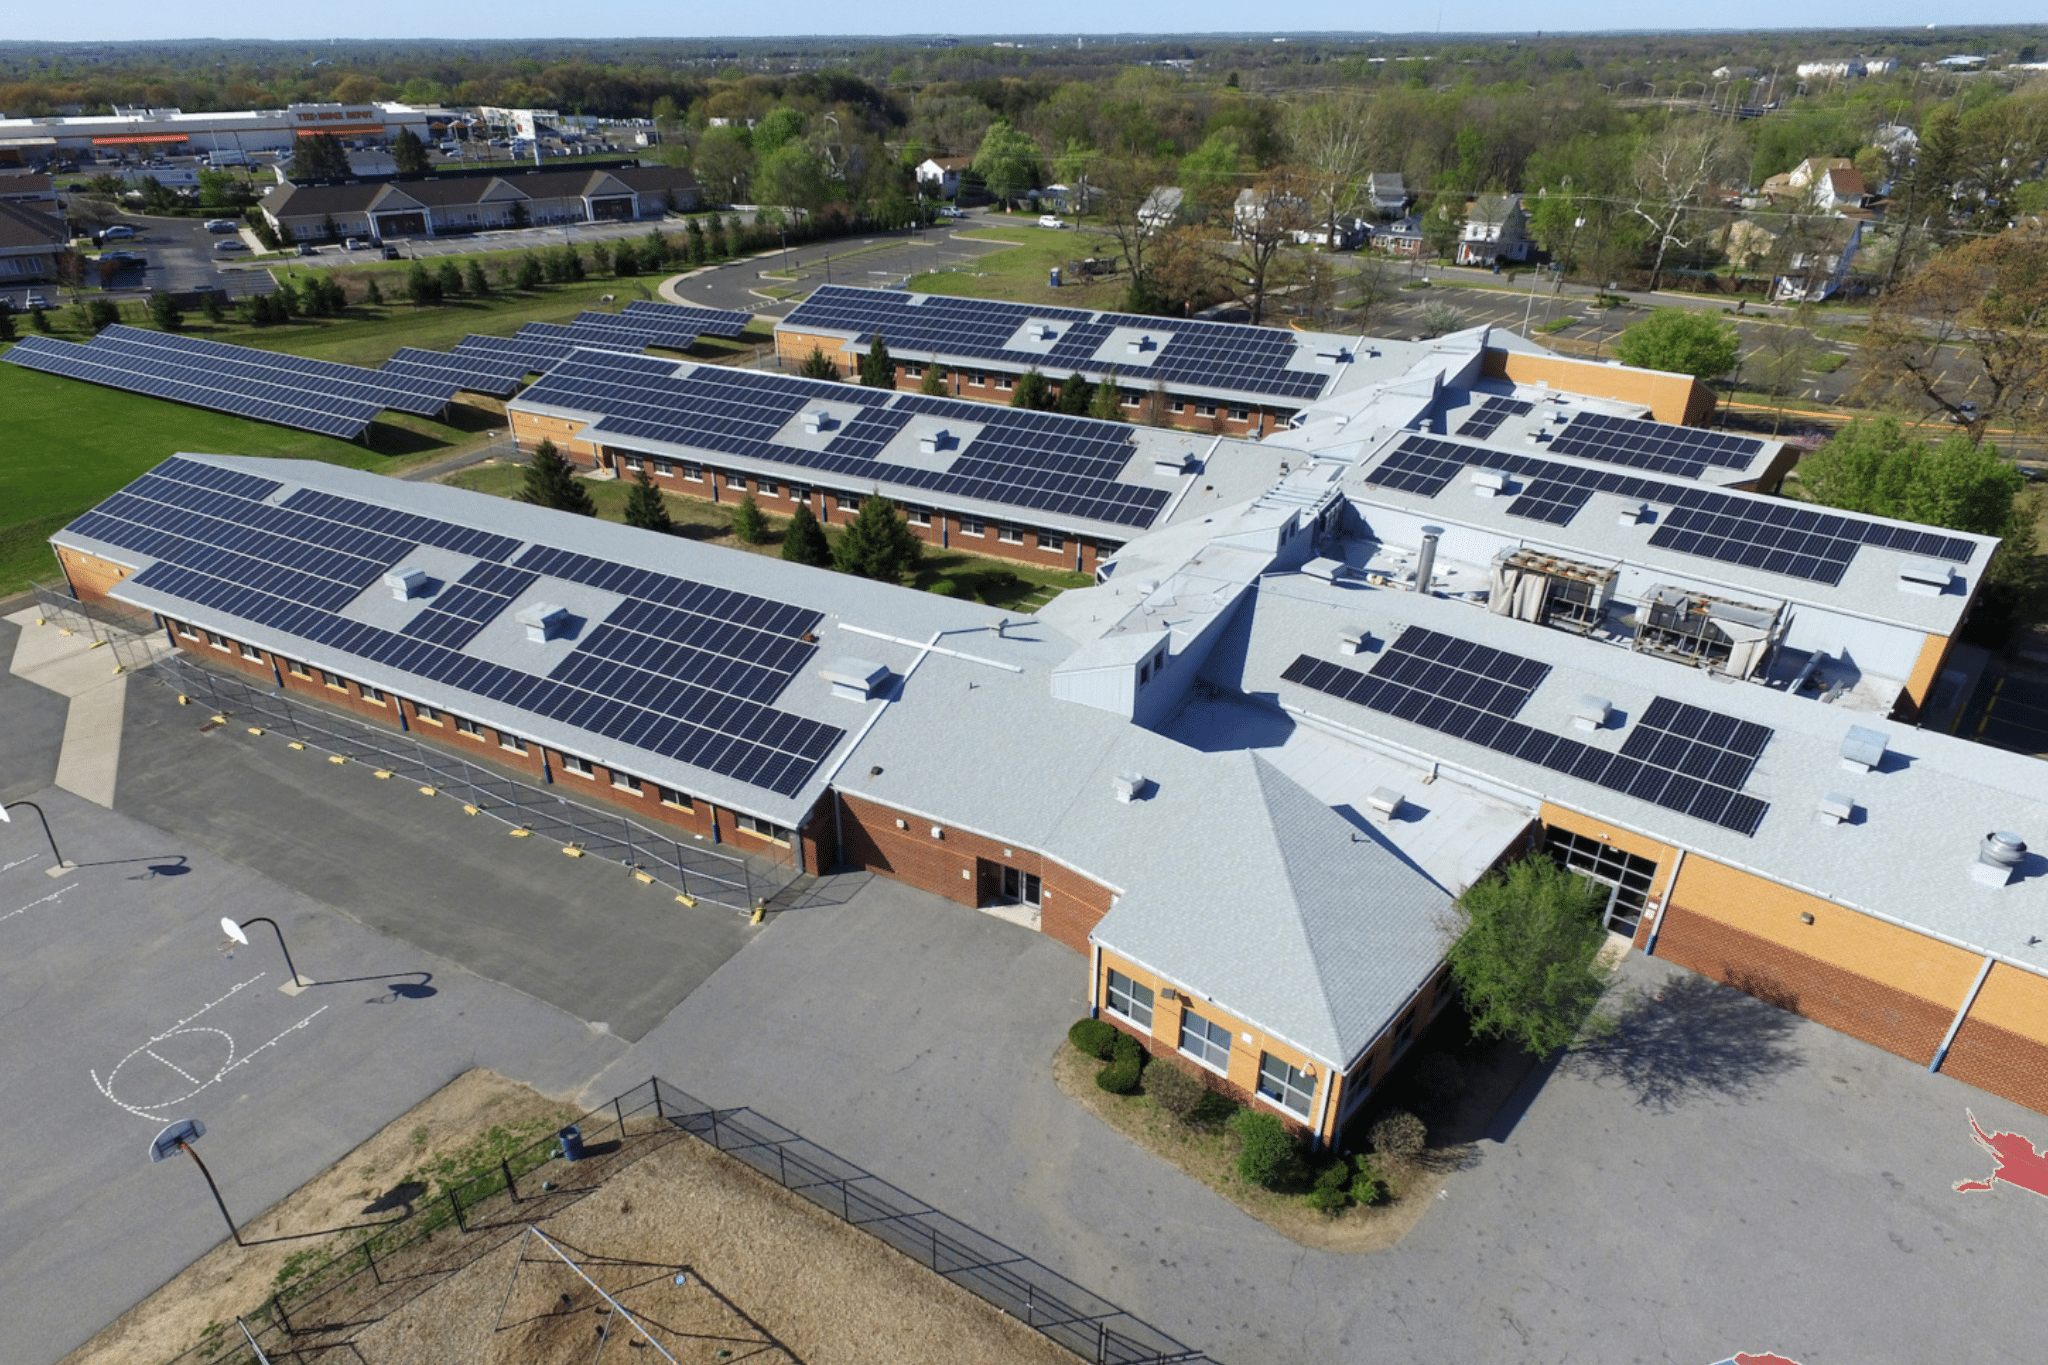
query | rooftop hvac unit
(1707,632)
(1531,586)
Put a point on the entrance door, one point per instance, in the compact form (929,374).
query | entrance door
(1021,888)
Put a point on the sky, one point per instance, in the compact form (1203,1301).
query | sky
(405,19)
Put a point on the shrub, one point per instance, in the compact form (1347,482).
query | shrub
(1368,1186)
(1440,1078)
(944,587)
(1176,1091)
(1127,1062)
(1093,1036)
(1332,1192)
(1267,1154)
(1400,1136)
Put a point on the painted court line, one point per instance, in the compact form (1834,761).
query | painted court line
(183,1028)
(34,903)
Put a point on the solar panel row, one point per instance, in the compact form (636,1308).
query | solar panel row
(1211,355)
(1624,773)
(341,419)
(1487,418)
(1685,452)
(421,397)
(472,374)
(708,322)
(1761,533)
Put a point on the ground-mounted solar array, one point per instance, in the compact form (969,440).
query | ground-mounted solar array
(470,373)
(1037,461)
(683,669)
(1224,356)
(1682,452)
(1770,534)
(704,322)
(290,391)
(497,365)
(1486,419)
(1680,757)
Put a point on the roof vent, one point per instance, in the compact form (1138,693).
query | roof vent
(1128,787)
(1590,713)
(933,442)
(1325,568)
(1138,345)
(1489,483)
(543,621)
(1384,802)
(1353,644)
(1863,750)
(1925,578)
(1633,516)
(1337,357)
(1170,467)
(816,420)
(1999,856)
(1043,332)
(854,679)
(1837,807)
(407,584)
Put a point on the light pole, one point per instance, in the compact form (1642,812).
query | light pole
(62,867)
(239,933)
(179,1137)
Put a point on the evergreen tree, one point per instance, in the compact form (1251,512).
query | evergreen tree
(748,524)
(1107,403)
(877,368)
(1031,392)
(878,543)
(100,314)
(6,324)
(448,280)
(39,319)
(477,283)
(1075,396)
(373,294)
(625,259)
(934,381)
(551,482)
(420,286)
(209,304)
(818,365)
(644,506)
(409,153)
(804,542)
(529,272)
(165,313)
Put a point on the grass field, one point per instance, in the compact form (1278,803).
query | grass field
(1022,274)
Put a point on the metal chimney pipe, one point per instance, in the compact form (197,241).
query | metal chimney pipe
(1425,558)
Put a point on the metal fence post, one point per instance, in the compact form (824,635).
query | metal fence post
(456,1205)
(277,1311)
(511,1187)
(370,1255)
(782,1164)
(655,1081)
(1101,1343)
(619,1110)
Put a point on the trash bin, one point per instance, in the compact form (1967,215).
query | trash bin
(1055,277)
(572,1143)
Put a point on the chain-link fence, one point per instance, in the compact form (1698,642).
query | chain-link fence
(131,637)
(701,872)
(317,1318)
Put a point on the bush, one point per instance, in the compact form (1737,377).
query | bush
(1093,1036)
(1176,1091)
(1368,1186)
(1332,1192)
(1127,1062)
(944,587)
(1440,1079)
(1400,1136)
(1267,1154)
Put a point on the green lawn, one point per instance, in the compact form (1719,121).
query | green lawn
(998,582)
(1022,274)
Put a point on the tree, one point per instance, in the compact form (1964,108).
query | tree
(1076,394)
(1876,465)
(373,294)
(421,286)
(818,365)
(448,280)
(1526,958)
(1006,161)
(1335,141)
(1263,227)
(748,525)
(408,153)
(38,318)
(1031,392)
(165,313)
(1108,402)
(725,164)
(1443,227)
(877,369)
(100,314)
(6,324)
(793,176)
(209,304)
(878,543)
(934,381)
(804,542)
(1680,341)
(644,506)
(530,273)
(319,157)
(1672,172)
(551,482)
(475,281)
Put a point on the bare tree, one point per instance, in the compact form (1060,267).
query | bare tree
(1374,286)
(1266,220)
(1335,143)
(1671,176)
(1126,191)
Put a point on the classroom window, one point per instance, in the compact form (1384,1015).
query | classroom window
(671,797)
(1279,1082)
(336,681)
(973,526)
(753,824)
(216,641)
(913,371)
(918,516)
(1404,1033)
(1205,1040)
(370,693)
(468,727)
(977,380)
(693,472)
(665,468)
(512,742)
(846,502)
(1240,414)
(1131,397)
(297,668)
(635,463)
(1205,409)
(770,490)
(1005,382)
(1010,535)
(625,782)
(1179,406)
(579,766)
(251,653)
(1048,541)
(734,479)
(798,493)
(426,713)
(1129,999)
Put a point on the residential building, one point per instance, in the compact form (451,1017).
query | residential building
(939,176)
(1402,237)
(1163,208)
(28,190)
(1387,193)
(1496,229)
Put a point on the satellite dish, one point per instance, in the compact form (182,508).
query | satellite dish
(171,1138)
(232,930)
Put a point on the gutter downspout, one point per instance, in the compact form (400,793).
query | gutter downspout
(1657,924)
(1095,981)
(1956,1024)
(1330,1074)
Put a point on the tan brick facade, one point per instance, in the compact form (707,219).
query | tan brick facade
(1677,398)
(89,575)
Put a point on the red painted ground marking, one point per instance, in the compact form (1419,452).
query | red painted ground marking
(1767,1358)
(2018,1164)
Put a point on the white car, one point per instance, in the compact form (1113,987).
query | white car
(118,232)
(948,211)
(222,225)
(1050,220)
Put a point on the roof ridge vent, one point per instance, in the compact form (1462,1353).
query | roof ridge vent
(1999,856)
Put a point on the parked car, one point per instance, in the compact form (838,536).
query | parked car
(948,211)
(1965,414)
(390,253)
(352,244)
(1050,220)
(308,249)
(222,225)
(34,300)
(231,244)
(117,233)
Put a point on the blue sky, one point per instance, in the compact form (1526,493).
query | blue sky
(151,19)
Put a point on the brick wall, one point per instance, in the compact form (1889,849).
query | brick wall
(2003,1045)
(89,575)
(1677,398)
(529,429)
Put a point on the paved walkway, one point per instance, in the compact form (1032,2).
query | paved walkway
(74,666)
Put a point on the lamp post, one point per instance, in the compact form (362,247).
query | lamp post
(179,1137)
(239,933)
(62,867)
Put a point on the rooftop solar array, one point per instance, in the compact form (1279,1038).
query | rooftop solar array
(421,397)
(281,404)
(705,322)
(679,668)
(1490,414)
(1683,452)
(1770,534)
(1040,461)
(1682,758)
(470,373)
(1199,354)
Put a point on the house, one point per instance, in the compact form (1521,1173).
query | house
(1831,184)
(1496,229)
(1352,233)
(1733,73)
(1840,189)
(1386,193)
(1063,198)
(1261,211)
(1844,68)
(439,206)
(1402,237)
(1162,208)
(29,244)
(939,176)
(1791,184)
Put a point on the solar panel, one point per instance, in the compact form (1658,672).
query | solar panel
(1696,773)
(1487,418)
(679,668)
(1190,352)
(1686,452)
(1771,534)
(709,322)
(424,398)
(474,374)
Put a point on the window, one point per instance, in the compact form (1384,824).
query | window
(693,472)
(918,516)
(371,693)
(977,379)
(1129,999)
(665,468)
(755,825)
(426,713)
(215,640)
(635,463)
(1404,1033)
(846,502)
(1049,541)
(1179,406)
(512,742)
(671,797)
(972,526)
(770,490)
(626,782)
(1010,535)
(1240,414)
(1005,382)
(913,371)
(579,766)
(188,630)
(1279,1082)
(468,727)
(735,479)
(335,681)
(798,493)
(1144,672)
(1131,397)
(250,652)
(1022,888)
(1205,1040)
(1205,409)
(297,668)
(1625,877)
